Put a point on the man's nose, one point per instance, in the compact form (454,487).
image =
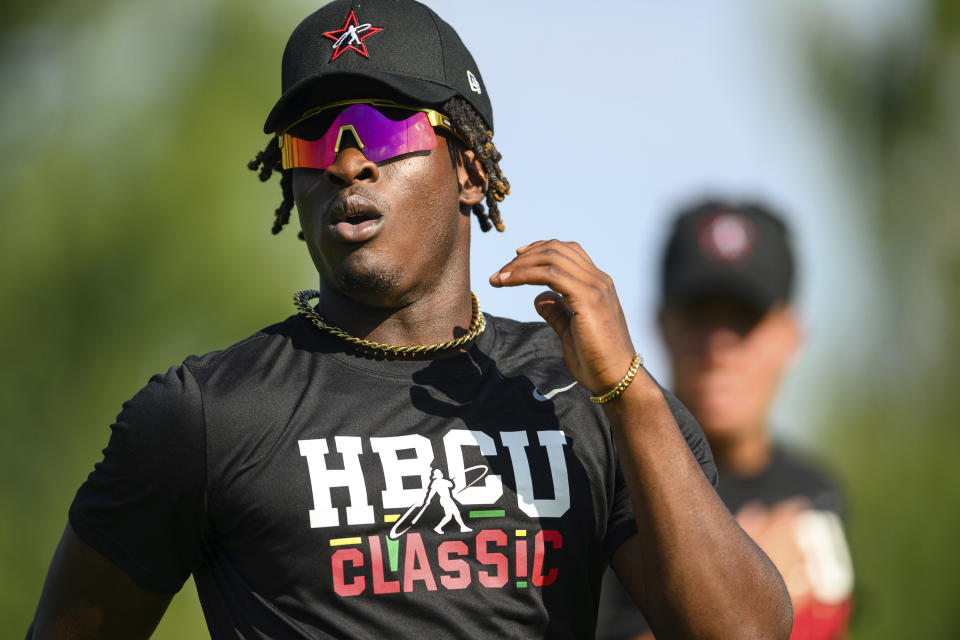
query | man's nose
(350,165)
(719,340)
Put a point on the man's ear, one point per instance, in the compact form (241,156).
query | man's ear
(663,323)
(471,178)
(791,333)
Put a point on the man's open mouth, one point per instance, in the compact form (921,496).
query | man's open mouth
(355,219)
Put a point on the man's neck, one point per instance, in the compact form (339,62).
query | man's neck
(745,456)
(410,318)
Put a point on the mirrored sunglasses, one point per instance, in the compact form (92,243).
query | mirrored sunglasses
(378,135)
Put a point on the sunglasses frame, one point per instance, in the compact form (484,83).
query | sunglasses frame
(435,118)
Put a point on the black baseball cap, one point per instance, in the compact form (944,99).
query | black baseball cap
(721,250)
(363,48)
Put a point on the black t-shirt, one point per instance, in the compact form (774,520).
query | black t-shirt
(316,493)
(786,477)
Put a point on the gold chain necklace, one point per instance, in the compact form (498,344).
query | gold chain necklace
(477,324)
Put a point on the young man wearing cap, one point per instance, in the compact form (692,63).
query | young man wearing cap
(729,327)
(391,460)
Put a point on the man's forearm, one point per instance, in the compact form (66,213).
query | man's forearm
(702,576)
(699,574)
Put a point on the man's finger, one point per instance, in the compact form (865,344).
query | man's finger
(571,250)
(547,261)
(549,305)
(527,247)
(557,278)
(575,246)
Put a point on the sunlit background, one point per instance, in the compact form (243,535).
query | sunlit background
(133,235)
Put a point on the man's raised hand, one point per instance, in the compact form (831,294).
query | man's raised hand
(582,307)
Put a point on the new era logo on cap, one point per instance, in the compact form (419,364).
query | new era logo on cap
(351,36)
(474,83)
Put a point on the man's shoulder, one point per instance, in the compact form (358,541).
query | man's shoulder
(266,343)
(532,351)
(525,340)
(184,385)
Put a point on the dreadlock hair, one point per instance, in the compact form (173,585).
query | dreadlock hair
(265,163)
(479,139)
(466,122)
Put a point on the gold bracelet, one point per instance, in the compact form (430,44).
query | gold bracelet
(618,390)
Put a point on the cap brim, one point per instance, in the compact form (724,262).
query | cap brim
(741,287)
(330,87)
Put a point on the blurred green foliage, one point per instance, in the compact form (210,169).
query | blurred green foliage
(133,235)
(895,434)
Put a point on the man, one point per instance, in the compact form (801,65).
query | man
(290,474)
(731,331)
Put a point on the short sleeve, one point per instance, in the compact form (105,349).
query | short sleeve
(622,524)
(142,507)
(693,434)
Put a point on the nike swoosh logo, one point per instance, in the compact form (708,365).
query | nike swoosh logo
(543,397)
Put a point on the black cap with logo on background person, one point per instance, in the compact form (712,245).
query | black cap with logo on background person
(351,47)
(722,250)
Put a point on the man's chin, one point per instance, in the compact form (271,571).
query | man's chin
(367,281)
(717,421)
(723,428)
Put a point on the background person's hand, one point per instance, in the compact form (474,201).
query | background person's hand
(808,548)
(774,531)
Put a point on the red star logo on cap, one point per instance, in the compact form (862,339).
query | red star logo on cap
(351,36)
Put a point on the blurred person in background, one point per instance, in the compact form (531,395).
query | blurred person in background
(731,330)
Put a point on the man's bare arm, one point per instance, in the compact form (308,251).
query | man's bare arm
(691,568)
(86,596)
(700,574)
